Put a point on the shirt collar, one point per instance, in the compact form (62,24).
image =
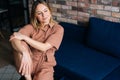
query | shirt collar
(50,25)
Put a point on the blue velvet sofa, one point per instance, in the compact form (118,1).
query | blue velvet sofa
(89,53)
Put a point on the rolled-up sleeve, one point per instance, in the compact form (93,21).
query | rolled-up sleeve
(56,38)
(26,30)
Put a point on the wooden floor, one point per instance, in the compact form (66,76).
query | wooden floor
(6,56)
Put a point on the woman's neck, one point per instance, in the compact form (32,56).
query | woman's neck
(43,24)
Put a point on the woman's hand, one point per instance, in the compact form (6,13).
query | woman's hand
(26,64)
(19,36)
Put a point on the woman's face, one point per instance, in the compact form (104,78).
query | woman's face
(43,14)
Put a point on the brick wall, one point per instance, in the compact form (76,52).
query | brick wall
(75,11)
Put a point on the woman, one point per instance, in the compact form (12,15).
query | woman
(35,44)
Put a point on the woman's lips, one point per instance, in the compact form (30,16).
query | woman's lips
(44,18)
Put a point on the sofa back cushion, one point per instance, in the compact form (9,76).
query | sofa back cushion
(73,32)
(104,35)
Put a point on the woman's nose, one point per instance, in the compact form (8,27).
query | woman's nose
(43,14)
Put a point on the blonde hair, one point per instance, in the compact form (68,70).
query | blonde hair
(36,24)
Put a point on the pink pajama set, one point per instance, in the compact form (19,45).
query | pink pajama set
(43,62)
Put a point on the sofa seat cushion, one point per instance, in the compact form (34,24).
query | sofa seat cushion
(104,36)
(115,75)
(84,62)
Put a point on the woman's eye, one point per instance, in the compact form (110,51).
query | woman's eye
(45,10)
(39,13)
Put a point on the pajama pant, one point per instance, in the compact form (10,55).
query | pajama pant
(40,70)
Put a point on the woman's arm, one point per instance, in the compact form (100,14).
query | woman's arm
(38,45)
